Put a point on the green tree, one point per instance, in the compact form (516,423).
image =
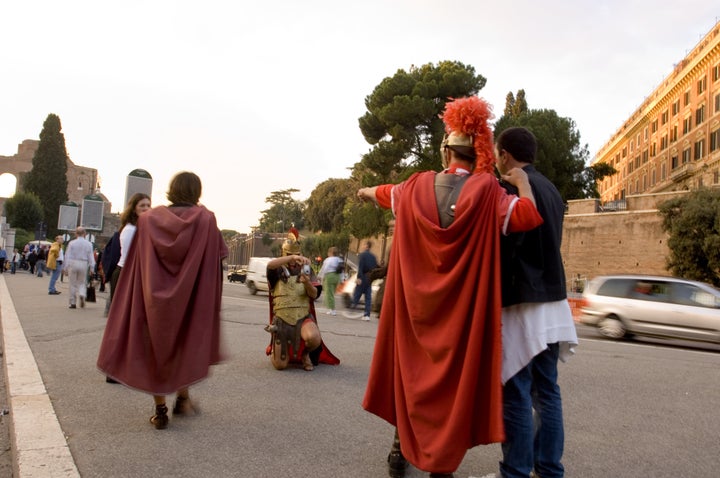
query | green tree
(560,156)
(228,234)
(324,208)
(48,177)
(693,226)
(284,211)
(24,210)
(402,120)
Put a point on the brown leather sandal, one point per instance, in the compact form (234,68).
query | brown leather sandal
(160,419)
(184,407)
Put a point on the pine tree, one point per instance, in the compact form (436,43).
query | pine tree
(48,177)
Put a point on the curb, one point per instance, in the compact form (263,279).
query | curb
(39,446)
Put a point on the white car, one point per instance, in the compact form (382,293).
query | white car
(669,307)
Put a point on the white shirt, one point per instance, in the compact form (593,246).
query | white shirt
(330,264)
(80,249)
(126,237)
(528,328)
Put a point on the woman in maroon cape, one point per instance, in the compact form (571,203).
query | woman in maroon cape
(163,329)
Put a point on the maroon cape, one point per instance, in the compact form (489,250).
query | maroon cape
(163,330)
(435,371)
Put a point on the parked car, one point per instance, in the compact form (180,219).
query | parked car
(237,275)
(256,277)
(668,307)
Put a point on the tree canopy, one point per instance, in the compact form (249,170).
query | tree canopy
(24,211)
(324,208)
(48,177)
(402,120)
(284,211)
(560,156)
(693,226)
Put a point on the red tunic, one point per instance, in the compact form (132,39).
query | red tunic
(435,371)
(163,330)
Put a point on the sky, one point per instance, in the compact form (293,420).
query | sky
(257,97)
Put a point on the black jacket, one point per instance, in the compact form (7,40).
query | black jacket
(531,265)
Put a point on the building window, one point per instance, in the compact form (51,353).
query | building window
(645,156)
(624,152)
(716,72)
(652,178)
(701,85)
(646,133)
(675,163)
(664,118)
(663,142)
(700,114)
(686,155)
(699,149)
(716,176)
(630,167)
(663,172)
(637,140)
(717,102)
(673,134)
(687,125)
(654,126)
(715,140)
(686,98)
(637,162)
(676,108)
(653,150)
(632,146)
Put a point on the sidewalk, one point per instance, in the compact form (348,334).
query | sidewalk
(39,448)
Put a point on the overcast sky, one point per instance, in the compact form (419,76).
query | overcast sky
(261,96)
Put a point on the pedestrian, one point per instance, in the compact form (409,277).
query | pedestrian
(31,257)
(41,257)
(165,311)
(118,248)
(295,335)
(363,285)
(56,257)
(79,260)
(537,323)
(3,259)
(330,276)
(14,261)
(435,370)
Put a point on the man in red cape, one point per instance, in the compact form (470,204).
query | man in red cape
(163,328)
(435,371)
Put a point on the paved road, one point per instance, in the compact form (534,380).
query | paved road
(631,410)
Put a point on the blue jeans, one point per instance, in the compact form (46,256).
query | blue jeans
(365,288)
(54,277)
(534,441)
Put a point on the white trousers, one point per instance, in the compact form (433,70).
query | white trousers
(77,277)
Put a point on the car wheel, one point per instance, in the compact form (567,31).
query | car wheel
(253,289)
(612,327)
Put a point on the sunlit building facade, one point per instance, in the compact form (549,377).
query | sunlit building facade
(672,141)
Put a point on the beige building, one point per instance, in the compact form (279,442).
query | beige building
(672,141)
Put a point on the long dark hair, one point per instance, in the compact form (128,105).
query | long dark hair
(129,216)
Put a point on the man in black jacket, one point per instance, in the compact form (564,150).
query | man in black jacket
(538,327)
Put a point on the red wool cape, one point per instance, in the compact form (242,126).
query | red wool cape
(435,371)
(163,329)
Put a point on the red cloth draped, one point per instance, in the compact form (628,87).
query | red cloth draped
(435,372)
(163,330)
